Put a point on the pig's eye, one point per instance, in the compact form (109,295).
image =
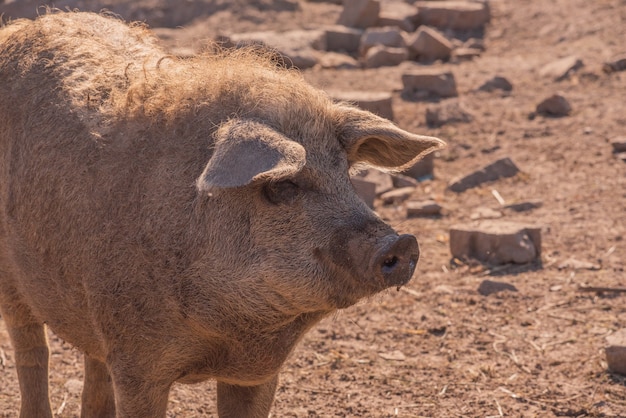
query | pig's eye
(281,192)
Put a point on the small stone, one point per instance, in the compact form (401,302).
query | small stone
(574,264)
(400,181)
(429,82)
(489,287)
(393,355)
(501,168)
(619,144)
(423,169)
(359,13)
(616,352)
(393,197)
(465,54)
(555,105)
(485,213)
(496,83)
(463,15)
(377,102)
(496,242)
(74,386)
(338,61)
(383,56)
(621,156)
(422,208)
(387,36)
(616,64)
(562,68)
(366,190)
(427,44)
(449,111)
(343,39)
(524,206)
(381,179)
(399,14)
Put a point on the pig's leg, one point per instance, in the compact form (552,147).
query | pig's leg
(137,395)
(245,401)
(28,336)
(98,399)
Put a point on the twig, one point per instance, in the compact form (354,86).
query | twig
(62,407)
(412,292)
(601,289)
(498,197)
(499,407)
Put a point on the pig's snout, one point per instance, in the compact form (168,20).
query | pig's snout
(394,263)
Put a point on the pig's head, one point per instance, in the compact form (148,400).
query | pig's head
(297,235)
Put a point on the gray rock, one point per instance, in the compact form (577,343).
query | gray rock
(561,68)
(461,15)
(449,111)
(422,208)
(422,83)
(616,64)
(382,180)
(427,44)
(496,242)
(619,144)
(342,38)
(489,287)
(555,105)
(615,352)
(338,61)
(400,181)
(384,56)
(359,13)
(501,168)
(377,102)
(423,169)
(524,206)
(496,83)
(387,36)
(396,196)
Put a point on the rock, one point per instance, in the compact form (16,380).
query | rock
(74,386)
(384,56)
(365,189)
(463,15)
(555,105)
(615,352)
(619,144)
(562,68)
(449,111)
(465,54)
(422,208)
(496,242)
(422,83)
(382,180)
(496,83)
(359,13)
(393,355)
(387,36)
(400,181)
(574,264)
(616,64)
(338,61)
(427,44)
(524,206)
(423,169)
(399,14)
(485,213)
(297,46)
(343,39)
(501,168)
(488,287)
(377,102)
(621,156)
(397,195)
(474,43)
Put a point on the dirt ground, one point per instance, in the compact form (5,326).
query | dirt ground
(438,348)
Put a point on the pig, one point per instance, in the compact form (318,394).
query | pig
(178,220)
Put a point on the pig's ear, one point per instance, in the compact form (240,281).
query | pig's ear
(372,141)
(248,151)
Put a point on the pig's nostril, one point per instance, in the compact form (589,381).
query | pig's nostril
(390,262)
